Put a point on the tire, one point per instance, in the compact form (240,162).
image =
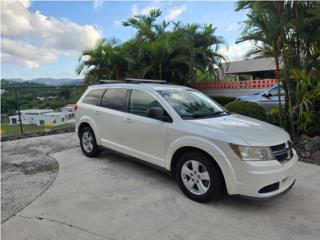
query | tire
(206,183)
(88,142)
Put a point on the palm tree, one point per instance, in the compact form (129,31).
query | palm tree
(145,24)
(104,61)
(265,27)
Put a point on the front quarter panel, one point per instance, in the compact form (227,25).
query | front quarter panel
(209,147)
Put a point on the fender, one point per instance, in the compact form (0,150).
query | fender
(91,122)
(213,150)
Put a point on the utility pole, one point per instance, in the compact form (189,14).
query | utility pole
(18,109)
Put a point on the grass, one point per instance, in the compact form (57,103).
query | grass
(7,129)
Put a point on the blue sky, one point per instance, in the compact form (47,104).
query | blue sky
(45,39)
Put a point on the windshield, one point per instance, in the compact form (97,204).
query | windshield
(190,104)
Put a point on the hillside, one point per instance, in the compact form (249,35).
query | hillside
(47,81)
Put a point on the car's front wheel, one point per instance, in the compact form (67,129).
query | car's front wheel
(199,176)
(88,142)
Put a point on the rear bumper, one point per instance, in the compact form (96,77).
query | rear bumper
(264,179)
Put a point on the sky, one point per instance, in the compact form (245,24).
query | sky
(45,38)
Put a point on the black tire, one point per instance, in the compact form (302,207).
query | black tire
(94,151)
(216,183)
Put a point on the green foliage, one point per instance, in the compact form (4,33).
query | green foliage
(224,100)
(249,109)
(289,31)
(307,93)
(178,55)
(36,96)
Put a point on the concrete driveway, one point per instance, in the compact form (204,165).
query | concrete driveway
(112,197)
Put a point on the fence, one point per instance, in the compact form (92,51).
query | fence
(248,84)
(35,110)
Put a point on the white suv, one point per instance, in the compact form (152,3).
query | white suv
(181,130)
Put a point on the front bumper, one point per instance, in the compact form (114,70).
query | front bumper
(264,179)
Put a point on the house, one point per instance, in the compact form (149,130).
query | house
(259,74)
(68,111)
(255,69)
(41,117)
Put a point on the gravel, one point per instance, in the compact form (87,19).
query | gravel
(27,170)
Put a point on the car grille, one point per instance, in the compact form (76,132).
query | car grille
(282,152)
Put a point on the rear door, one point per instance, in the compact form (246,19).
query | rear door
(109,117)
(144,137)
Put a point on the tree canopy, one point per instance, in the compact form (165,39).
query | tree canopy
(176,55)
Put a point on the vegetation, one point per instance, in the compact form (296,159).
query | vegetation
(249,109)
(289,31)
(33,95)
(7,130)
(178,55)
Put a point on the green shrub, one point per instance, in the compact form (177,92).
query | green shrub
(249,109)
(223,100)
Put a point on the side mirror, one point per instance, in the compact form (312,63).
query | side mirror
(157,113)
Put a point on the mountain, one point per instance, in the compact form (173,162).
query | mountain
(49,81)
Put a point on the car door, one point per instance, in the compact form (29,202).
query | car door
(144,137)
(109,117)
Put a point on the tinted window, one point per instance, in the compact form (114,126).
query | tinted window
(140,102)
(94,97)
(114,98)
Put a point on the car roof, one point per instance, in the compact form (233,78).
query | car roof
(153,86)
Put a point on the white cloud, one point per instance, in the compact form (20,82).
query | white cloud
(237,51)
(97,3)
(55,36)
(175,13)
(135,10)
(19,52)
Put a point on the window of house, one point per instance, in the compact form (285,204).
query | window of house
(41,122)
(94,97)
(114,98)
(140,102)
(14,120)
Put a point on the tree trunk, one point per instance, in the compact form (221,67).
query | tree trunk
(278,82)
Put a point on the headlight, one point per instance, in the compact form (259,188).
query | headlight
(247,153)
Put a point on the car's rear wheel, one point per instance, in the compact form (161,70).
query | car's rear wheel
(198,176)
(88,142)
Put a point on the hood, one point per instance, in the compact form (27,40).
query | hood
(238,128)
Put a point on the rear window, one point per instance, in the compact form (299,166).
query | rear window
(114,98)
(94,97)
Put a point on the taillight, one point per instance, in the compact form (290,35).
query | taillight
(75,107)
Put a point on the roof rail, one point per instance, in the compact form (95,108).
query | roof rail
(110,81)
(132,80)
(137,80)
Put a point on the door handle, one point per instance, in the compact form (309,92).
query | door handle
(128,120)
(96,112)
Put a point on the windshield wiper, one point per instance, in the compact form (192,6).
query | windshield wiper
(197,115)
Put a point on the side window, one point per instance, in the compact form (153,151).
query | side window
(274,91)
(140,102)
(114,98)
(94,97)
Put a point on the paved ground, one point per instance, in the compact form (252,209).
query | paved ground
(111,197)
(27,170)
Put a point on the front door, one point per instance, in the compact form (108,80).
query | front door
(144,137)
